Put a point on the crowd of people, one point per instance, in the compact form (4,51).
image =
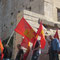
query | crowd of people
(53,51)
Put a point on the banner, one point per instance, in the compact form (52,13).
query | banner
(56,35)
(40,32)
(24,29)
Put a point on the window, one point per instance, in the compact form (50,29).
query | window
(56,25)
(58,14)
(28,8)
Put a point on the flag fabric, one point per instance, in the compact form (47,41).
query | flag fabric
(56,35)
(2,48)
(40,32)
(27,52)
(35,40)
(24,29)
(2,55)
(25,43)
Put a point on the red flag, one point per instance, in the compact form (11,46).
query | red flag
(35,40)
(2,55)
(40,32)
(1,47)
(24,43)
(56,35)
(24,29)
(27,52)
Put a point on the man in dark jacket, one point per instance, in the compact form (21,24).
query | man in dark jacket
(36,51)
(20,53)
(53,50)
(7,53)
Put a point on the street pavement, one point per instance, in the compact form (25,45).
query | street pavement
(43,57)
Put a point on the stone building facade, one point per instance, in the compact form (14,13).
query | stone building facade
(47,10)
(9,10)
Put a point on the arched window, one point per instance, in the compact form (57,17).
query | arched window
(58,14)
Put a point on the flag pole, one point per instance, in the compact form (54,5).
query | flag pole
(10,37)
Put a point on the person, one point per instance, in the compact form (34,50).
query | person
(20,53)
(7,52)
(46,48)
(26,53)
(36,51)
(53,50)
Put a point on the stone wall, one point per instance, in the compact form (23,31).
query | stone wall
(48,9)
(10,8)
(56,4)
(8,18)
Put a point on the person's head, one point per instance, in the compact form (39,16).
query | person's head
(51,37)
(49,42)
(18,46)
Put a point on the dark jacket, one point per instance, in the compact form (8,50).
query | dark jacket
(7,52)
(37,44)
(20,52)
